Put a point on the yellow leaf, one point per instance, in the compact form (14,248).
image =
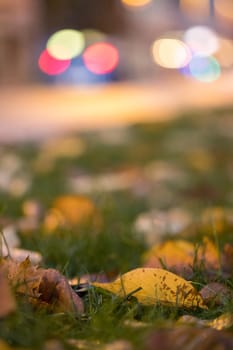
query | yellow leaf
(180,253)
(72,210)
(222,322)
(171,252)
(152,285)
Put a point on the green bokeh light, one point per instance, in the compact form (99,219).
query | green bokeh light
(205,69)
(66,44)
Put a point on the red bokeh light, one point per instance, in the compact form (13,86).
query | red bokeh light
(101,58)
(52,66)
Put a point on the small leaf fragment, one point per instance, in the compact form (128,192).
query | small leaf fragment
(222,322)
(154,285)
(216,293)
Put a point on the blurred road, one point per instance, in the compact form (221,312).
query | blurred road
(32,112)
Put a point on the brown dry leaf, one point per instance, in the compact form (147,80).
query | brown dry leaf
(57,294)
(215,293)
(42,287)
(23,277)
(72,210)
(7,300)
(151,285)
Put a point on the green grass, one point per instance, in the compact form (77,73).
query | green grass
(115,247)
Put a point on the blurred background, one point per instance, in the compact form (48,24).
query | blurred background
(84,64)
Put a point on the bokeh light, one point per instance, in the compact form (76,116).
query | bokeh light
(195,8)
(204,69)
(224,8)
(170,53)
(202,40)
(66,44)
(135,3)
(101,58)
(50,65)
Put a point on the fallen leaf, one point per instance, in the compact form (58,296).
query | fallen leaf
(179,256)
(215,293)
(45,288)
(222,322)
(57,294)
(23,277)
(171,253)
(151,285)
(7,300)
(72,210)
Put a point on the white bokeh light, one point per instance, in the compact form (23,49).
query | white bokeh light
(202,40)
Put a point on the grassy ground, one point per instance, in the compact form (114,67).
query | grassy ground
(196,152)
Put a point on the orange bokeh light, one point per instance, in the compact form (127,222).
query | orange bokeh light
(135,3)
